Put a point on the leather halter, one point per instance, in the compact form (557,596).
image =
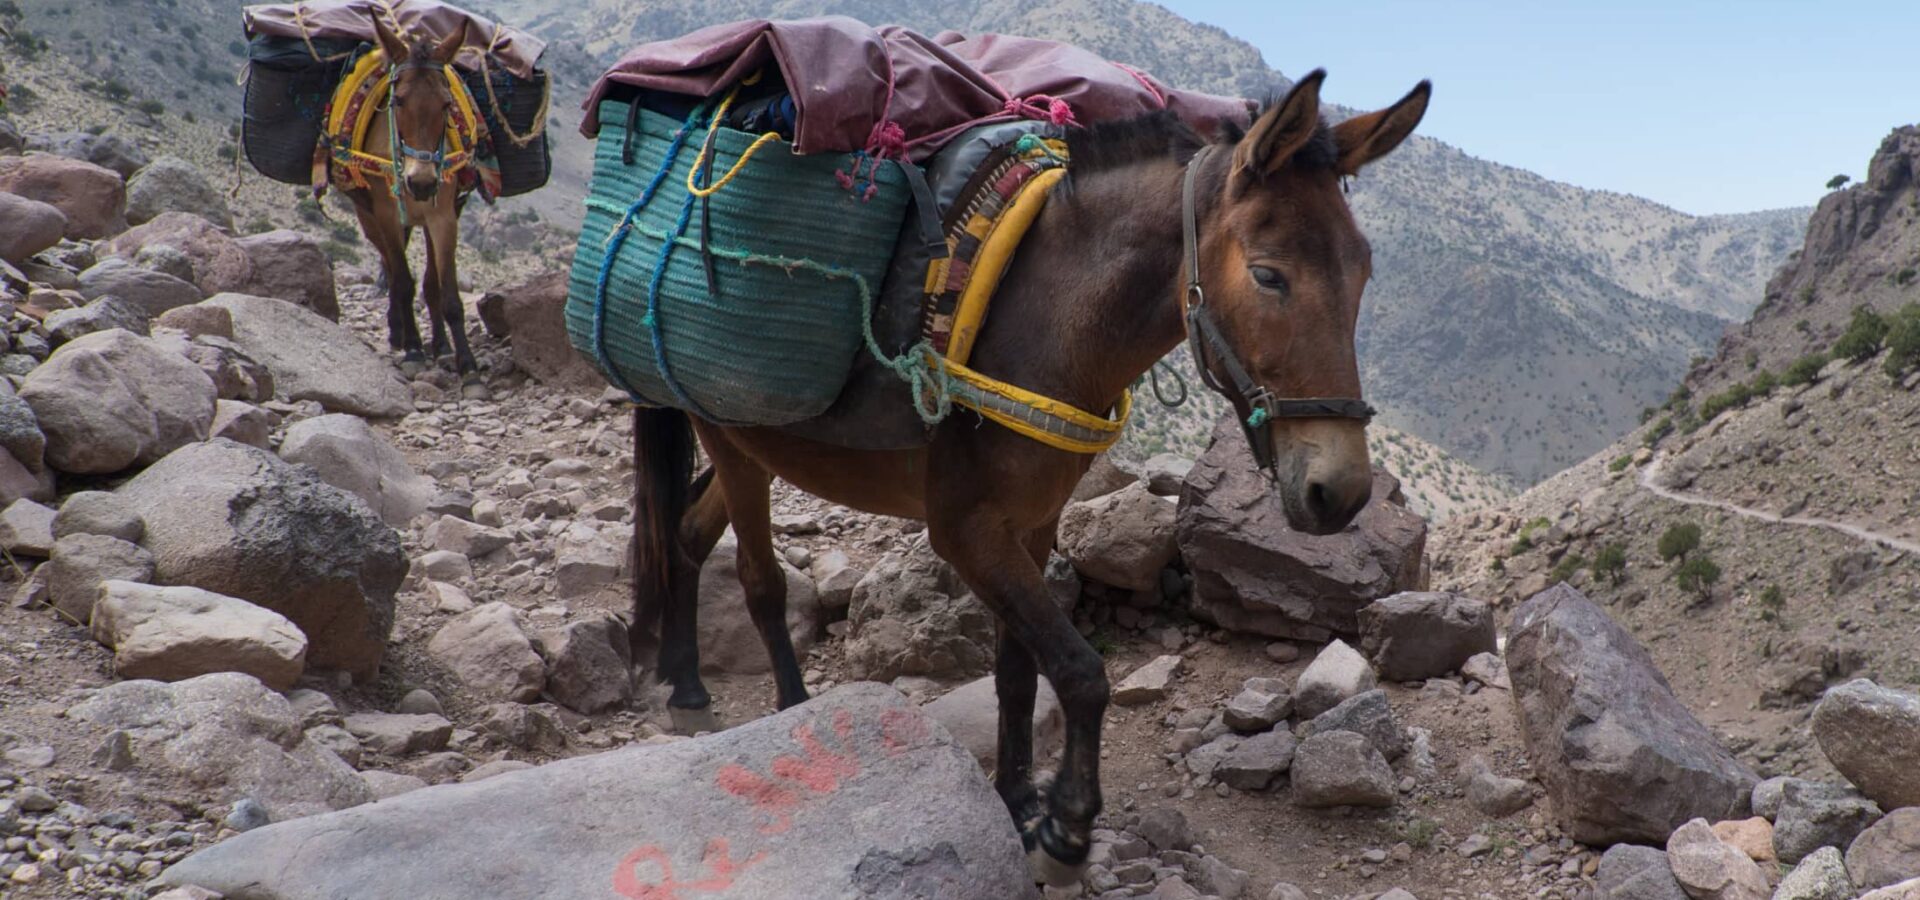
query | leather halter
(1255,404)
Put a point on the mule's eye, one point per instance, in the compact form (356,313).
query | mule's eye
(1268,278)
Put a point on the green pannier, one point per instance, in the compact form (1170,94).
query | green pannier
(746,307)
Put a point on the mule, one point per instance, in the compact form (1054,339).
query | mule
(1099,291)
(418,194)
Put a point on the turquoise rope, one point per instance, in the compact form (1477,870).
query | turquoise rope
(615,241)
(1257,418)
(652,317)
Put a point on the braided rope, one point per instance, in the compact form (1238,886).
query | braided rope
(617,238)
(539,126)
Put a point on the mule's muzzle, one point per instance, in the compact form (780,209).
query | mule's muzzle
(1332,503)
(423,189)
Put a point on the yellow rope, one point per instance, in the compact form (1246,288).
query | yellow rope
(539,125)
(700,161)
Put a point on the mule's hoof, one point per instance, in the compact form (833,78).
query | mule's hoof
(1052,858)
(1053,872)
(414,356)
(693,721)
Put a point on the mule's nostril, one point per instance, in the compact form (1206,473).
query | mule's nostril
(1317,500)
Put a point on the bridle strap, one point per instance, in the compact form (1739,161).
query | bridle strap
(1208,345)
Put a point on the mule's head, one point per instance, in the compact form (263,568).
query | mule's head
(1283,265)
(421,102)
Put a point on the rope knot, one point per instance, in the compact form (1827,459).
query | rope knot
(1043,107)
(887,140)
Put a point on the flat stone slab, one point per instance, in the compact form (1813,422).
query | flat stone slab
(855,794)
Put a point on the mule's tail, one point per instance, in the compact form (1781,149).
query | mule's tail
(664,575)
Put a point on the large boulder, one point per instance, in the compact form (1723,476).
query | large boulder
(351,456)
(171,184)
(534,314)
(218,262)
(108,151)
(1621,757)
(1340,768)
(1814,815)
(589,665)
(113,399)
(912,615)
(1337,673)
(176,633)
(289,265)
(154,292)
(229,736)
(1122,539)
(855,794)
(81,563)
(489,650)
(1254,573)
(1711,869)
(239,521)
(28,226)
(729,641)
(93,199)
(1888,852)
(1633,872)
(1421,634)
(971,713)
(314,359)
(1871,734)
(100,314)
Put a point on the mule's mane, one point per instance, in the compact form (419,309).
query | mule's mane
(1160,134)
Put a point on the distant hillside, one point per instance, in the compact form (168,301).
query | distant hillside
(1803,571)
(1516,322)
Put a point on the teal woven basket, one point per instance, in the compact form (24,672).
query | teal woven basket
(795,258)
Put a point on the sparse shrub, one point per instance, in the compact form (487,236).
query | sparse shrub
(1521,544)
(1864,336)
(1904,275)
(1736,395)
(1903,340)
(151,107)
(1659,430)
(1697,575)
(1610,563)
(1620,463)
(1680,539)
(1772,602)
(1764,383)
(1806,295)
(1419,832)
(1569,564)
(1805,369)
(1498,566)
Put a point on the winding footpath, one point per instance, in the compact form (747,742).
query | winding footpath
(1648,482)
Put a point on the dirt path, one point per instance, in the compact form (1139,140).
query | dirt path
(1650,474)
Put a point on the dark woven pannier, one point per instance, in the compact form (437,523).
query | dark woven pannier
(286,104)
(524,165)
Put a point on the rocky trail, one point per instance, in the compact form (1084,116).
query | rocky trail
(1650,477)
(271,590)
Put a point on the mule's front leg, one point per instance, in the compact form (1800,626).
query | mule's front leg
(443,304)
(1014,682)
(994,563)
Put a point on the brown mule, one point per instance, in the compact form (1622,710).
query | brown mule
(420,104)
(1095,296)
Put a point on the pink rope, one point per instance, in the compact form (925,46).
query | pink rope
(1159,96)
(1043,107)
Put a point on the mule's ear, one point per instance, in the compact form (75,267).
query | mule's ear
(1282,130)
(450,48)
(396,49)
(1363,139)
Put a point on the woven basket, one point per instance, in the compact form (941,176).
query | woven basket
(282,114)
(775,342)
(522,168)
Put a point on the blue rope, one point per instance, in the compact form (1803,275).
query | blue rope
(615,241)
(652,318)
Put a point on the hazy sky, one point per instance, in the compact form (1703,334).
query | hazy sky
(1708,106)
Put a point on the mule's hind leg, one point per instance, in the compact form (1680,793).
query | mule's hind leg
(745,487)
(675,526)
(993,560)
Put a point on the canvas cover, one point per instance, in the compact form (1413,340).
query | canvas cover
(352,20)
(851,81)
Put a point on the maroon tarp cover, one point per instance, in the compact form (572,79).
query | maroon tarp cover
(852,82)
(511,49)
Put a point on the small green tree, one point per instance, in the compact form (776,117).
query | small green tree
(1697,575)
(1679,540)
(1569,564)
(1838,181)
(1804,370)
(1863,337)
(1773,602)
(1610,563)
(1903,340)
